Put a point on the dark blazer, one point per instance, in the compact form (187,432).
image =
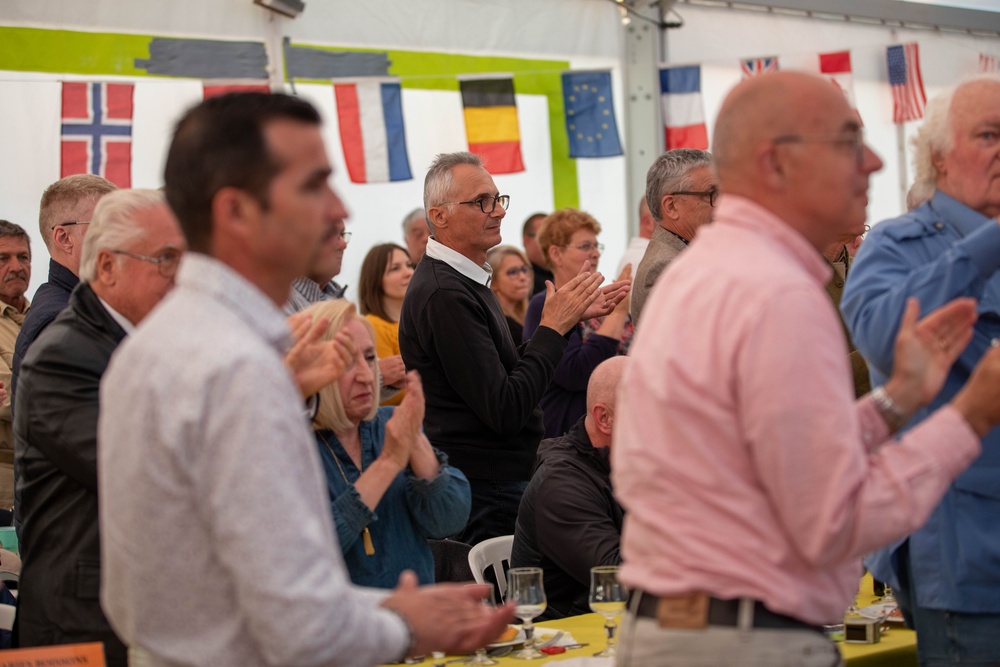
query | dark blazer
(55,451)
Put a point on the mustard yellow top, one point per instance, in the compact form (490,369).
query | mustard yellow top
(386,345)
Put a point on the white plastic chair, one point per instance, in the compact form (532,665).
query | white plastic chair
(492,553)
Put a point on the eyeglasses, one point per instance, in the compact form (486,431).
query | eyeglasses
(587,246)
(166,263)
(345,236)
(70,224)
(854,141)
(503,200)
(513,272)
(711,194)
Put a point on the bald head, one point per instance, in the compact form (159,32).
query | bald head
(601,392)
(790,142)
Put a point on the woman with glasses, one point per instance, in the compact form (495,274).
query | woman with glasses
(568,238)
(385,275)
(512,281)
(390,490)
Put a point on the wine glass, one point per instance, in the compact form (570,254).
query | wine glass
(607,598)
(480,658)
(525,589)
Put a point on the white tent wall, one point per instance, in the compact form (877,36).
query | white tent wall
(718,38)
(585,33)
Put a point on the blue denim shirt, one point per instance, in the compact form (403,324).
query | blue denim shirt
(411,511)
(937,252)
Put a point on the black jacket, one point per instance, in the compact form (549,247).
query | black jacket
(569,520)
(55,450)
(482,391)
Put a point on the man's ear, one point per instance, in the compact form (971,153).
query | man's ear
(438,217)
(604,418)
(62,240)
(770,166)
(234,211)
(107,268)
(668,208)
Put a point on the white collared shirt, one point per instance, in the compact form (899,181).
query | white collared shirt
(456,260)
(122,321)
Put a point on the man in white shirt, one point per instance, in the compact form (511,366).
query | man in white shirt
(217,542)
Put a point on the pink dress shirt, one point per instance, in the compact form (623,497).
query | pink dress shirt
(745,465)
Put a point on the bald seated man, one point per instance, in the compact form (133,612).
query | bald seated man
(749,473)
(569,500)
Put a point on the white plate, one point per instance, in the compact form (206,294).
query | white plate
(518,639)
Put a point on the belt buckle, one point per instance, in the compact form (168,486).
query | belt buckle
(683,612)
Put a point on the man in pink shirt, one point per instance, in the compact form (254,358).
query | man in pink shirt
(752,480)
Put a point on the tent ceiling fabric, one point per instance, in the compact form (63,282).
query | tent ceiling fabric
(890,12)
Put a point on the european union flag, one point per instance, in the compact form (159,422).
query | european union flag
(590,116)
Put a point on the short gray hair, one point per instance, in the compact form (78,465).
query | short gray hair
(934,136)
(415,214)
(437,183)
(113,225)
(669,173)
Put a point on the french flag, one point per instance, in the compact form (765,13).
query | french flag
(683,108)
(372,132)
(97,131)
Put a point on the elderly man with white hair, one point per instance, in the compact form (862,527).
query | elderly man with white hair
(127,266)
(946,575)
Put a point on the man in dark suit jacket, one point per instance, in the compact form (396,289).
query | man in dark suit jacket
(127,266)
(681,192)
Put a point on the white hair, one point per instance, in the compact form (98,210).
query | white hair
(437,183)
(114,226)
(934,137)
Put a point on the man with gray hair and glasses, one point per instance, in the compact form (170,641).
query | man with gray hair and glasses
(947,573)
(63,218)
(127,266)
(482,389)
(680,191)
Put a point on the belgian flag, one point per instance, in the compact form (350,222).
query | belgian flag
(491,123)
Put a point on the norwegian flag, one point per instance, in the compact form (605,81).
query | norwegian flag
(988,63)
(757,66)
(908,97)
(97,130)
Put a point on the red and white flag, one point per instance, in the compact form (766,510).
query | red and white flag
(214,87)
(97,130)
(988,63)
(836,66)
(908,96)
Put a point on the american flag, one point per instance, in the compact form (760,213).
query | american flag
(908,97)
(988,63)
(757,66)
(97,130)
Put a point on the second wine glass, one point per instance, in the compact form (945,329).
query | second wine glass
(607,598)
(526,591)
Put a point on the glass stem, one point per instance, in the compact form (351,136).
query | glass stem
(529,634)
(610,626)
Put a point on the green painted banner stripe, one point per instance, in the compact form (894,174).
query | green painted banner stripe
(103,54)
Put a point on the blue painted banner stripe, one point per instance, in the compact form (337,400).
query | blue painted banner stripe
(392,110)
(681,79)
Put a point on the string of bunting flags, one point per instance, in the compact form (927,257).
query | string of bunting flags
(96,119)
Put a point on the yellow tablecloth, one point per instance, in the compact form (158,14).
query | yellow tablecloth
(898,647)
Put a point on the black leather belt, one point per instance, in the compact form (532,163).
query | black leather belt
(726,613)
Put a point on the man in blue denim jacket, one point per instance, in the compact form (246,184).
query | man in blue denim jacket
(947,574)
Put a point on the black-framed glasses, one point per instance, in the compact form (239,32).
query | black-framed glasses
(73,222)
(587,246)
(502,200)
(515,271)
(166,263)
(711,194)
(854,141)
